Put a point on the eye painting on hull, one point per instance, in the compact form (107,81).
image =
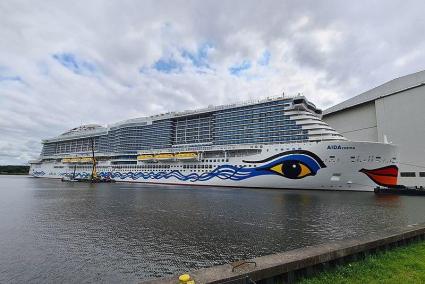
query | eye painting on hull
(294,164)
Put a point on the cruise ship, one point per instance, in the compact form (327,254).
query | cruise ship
(278,142)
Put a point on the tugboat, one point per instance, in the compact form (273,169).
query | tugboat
(400,190)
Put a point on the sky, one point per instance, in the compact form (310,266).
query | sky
(67,63)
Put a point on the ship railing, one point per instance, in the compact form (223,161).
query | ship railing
(202,148)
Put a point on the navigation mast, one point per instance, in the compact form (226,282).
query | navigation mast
(93,172)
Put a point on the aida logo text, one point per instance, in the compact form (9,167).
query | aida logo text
(339,147)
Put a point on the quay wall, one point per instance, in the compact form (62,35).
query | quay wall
(287,267)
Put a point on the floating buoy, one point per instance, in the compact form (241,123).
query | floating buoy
(185,279)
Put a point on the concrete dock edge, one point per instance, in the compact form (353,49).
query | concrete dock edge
(287,267)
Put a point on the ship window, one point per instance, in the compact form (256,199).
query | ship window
(336,177)
(422,174)
(407,174)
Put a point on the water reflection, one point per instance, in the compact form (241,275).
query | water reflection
(73,232)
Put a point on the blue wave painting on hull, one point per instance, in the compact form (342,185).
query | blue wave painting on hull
(294,164)
(221,172)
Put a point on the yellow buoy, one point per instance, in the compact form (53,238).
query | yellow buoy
(185,279)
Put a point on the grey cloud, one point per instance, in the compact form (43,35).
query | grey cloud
(328,50)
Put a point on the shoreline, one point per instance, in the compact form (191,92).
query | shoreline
(295,265)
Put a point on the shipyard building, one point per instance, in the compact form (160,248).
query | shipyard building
(392,112)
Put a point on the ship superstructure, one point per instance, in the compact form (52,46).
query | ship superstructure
(275,142)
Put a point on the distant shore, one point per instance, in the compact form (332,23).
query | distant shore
(14,170)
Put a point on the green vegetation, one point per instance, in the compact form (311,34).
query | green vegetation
(14,170)
(401,265)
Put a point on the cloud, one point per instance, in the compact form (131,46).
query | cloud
(66,63)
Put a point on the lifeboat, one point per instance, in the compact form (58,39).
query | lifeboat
(187,156)
(78,160)
(164,156)
(145,157)
(86,160)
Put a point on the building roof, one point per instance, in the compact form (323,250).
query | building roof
(387,89)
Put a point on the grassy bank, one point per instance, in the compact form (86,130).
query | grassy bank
(401,265)
(14,170)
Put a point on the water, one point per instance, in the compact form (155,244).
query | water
(53,232)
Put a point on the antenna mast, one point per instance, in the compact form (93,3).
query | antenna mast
(93,172)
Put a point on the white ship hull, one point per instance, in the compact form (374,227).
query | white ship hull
(327,165)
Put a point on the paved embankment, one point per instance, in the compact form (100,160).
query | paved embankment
(288,266)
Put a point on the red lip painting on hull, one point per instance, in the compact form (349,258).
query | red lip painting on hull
(386,176)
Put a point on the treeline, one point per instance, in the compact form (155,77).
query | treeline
(19,170)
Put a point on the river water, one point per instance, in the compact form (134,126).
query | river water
(52,231)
